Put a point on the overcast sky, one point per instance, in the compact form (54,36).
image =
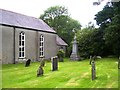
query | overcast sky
(81,10)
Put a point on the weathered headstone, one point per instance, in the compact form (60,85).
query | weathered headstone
(42,63)
(54,63)
(40,71)
(27,63)
(119,62)
(93,70)
(90,59)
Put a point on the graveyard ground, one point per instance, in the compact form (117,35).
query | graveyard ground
(70,75)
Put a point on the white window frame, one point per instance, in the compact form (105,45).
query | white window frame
(41,46)
(21,45)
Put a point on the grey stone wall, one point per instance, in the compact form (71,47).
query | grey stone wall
(7,44)
(50,46)
(31,44)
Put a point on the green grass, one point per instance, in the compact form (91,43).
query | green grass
(70,75)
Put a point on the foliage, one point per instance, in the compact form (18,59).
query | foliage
(104,16)
(69,75)
(69,50)
(109,21)
(58,18)
(60,53)
(90,42)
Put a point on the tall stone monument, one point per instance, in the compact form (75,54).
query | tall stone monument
(74,54)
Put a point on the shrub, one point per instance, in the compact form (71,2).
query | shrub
(60,55)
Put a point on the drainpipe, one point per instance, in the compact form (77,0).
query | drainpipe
(13,45)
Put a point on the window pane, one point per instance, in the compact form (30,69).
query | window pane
(19,43)
(23,43)
(40,38)
(22,48)
(20,37)
(40,43)
(41,53)
(19,49)
(40,49)
(19,54)
(22,54)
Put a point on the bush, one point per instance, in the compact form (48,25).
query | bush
(60,55)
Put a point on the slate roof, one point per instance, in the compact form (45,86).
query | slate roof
(60,42)
(20,20)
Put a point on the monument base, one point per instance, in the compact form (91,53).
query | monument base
(74,57)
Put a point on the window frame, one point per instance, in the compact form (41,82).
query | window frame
(21,50)
(41,45)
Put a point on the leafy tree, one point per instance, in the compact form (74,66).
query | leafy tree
(90,42)
(104,16)
(109,21)
(58,18)
(51,13)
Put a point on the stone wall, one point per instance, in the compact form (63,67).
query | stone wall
(31,44)
(7,44)
(50,46)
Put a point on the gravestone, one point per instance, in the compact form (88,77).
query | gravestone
(54,63)
(40,71)
(42,63)
(93,70)
(27,63)
(90,60)
(119,62)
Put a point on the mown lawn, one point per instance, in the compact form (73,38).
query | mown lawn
(70,75)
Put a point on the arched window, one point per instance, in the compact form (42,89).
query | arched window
(22,45)
(41,46)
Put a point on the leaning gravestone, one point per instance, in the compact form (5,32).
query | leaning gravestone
(54,63)
(27,63)
(40,71)
(93,70)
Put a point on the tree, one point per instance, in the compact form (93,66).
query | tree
(51,13)
(109,21)
(90,42)
(104,16)
(58,18)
